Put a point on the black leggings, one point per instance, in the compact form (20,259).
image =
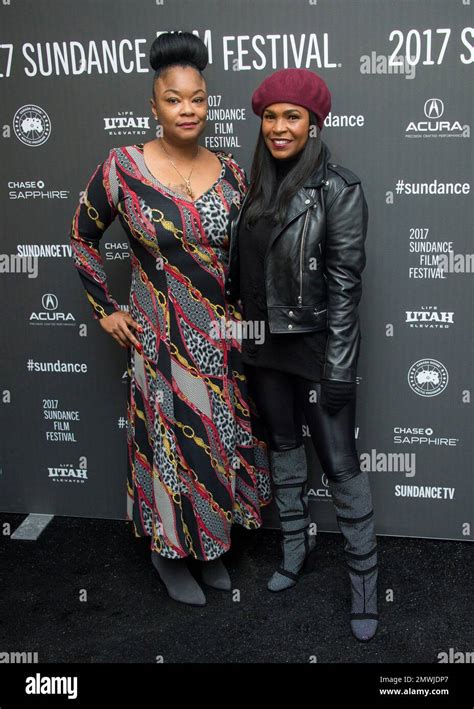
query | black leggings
(281,398)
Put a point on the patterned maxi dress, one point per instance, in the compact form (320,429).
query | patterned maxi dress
(195,462)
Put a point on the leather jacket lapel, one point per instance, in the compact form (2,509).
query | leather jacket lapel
(301,202)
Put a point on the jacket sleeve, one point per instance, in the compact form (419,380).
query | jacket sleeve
(345,259)
(94,213)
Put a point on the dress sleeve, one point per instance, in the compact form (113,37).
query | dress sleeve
(94,213)
(239,174)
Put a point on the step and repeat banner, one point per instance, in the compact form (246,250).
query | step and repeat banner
(75,81)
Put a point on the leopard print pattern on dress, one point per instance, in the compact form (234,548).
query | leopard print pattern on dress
(214,219)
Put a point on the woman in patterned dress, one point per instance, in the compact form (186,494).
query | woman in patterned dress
(195,466)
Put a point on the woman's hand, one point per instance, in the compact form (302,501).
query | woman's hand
(120,325)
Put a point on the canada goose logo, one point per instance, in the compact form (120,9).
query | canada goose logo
(32,125)
(428,377)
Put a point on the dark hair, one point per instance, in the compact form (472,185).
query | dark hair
(262,200)
(177,49)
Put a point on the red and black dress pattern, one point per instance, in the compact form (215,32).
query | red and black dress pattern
(196,463)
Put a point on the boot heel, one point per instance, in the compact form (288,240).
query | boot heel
(310,562)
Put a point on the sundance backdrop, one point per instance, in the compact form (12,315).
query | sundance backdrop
(75,81)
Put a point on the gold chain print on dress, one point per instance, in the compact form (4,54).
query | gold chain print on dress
(197,463)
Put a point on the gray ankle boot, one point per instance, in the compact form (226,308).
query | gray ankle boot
(355,517)
(289,474)
(215,575)
(178,580)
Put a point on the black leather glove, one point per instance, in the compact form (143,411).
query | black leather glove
(335,394)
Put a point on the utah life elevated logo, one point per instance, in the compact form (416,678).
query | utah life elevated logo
(68,473)
(428,316)
(125,123)
(433,126)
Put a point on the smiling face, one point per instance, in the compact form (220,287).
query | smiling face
(180,103)
(285,129)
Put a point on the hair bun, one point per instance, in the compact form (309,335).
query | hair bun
(178,48)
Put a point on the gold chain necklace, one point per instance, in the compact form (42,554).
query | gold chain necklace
(187,180)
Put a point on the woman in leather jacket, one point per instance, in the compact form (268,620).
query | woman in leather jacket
(295,264)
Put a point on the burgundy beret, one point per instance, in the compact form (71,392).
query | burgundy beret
(299,86)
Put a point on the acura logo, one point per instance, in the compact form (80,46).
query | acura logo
(49,301)
(434,108)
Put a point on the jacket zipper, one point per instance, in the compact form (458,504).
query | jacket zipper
(303,239)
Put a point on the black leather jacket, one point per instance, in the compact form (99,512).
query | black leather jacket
(313,265)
